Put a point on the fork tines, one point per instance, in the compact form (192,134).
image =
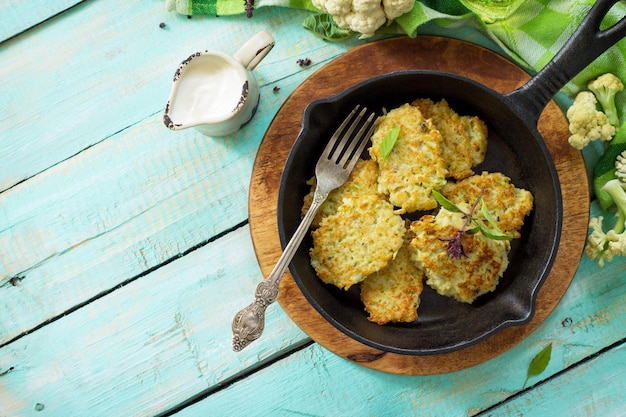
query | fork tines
(339,152)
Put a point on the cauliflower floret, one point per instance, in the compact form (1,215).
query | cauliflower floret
(333,7)
(605,87)
(365,6)
(396,8)
(586,123)
(603,245)
(365,24)
(364,16)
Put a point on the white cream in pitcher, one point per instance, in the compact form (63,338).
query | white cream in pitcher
(217,93)
(210,91)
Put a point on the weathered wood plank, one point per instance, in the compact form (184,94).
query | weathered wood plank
(590,316)
(129,202)
(126,349)
(20,15)
(148,346)
(98,219)
(595,388)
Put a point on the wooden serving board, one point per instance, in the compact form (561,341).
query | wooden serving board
(366,61)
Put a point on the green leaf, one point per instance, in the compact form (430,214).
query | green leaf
(485,211)
(493,234)
(445,203)
(324,26)
(539,363)
(473,230)
(390,140)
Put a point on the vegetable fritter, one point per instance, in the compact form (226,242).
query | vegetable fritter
(362,180)
(507,204)
(464,137)
(358,240)
(465,278)
(414,167)
(393,293)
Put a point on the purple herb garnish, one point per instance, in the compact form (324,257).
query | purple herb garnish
(455,246)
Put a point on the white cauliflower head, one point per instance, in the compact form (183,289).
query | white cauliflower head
(365,24)
(364,16)
(586,123)
(333,7)
(365,6)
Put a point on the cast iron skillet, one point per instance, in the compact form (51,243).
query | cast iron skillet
(515,148)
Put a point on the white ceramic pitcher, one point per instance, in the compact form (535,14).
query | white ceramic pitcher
(217,93)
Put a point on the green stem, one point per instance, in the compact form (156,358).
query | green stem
(614,189)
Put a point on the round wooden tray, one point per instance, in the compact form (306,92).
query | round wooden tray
(363,62)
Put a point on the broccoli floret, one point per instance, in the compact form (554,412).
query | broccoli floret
(605,87)
(603,245)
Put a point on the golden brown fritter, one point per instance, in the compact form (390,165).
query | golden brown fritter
(414,166)
(362,180)
(477,131)
(358,240)
(464,137)
(464,278)
(393,293)
(507,204)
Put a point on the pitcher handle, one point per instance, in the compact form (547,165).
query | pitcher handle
(255,49)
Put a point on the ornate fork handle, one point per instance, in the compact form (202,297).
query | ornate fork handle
(248,323)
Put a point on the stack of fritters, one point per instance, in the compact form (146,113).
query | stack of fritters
(464,137)
(393,293)
(360,238)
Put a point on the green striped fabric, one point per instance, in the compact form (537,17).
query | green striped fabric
(229,7)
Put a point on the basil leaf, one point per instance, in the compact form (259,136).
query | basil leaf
(390,140)
(324,26)
(473,230)
(445,203)
(493,234)
(487,215)
(539,363)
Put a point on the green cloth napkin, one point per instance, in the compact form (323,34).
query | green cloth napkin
(229,7)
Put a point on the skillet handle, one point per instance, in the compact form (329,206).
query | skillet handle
(586,44)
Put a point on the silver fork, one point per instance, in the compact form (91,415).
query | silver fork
(332,170)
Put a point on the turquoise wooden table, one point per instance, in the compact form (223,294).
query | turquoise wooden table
(125,248)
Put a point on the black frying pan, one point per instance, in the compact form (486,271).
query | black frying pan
(516,148)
